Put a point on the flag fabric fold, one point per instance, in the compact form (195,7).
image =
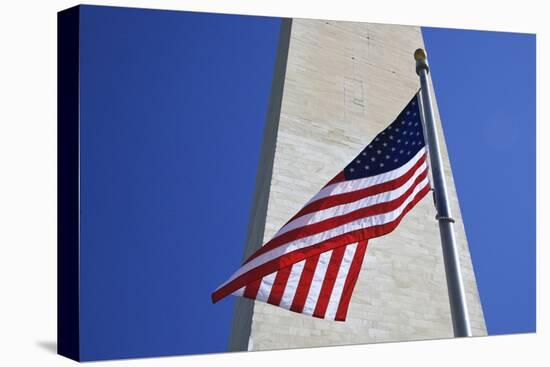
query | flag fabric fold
(311,265)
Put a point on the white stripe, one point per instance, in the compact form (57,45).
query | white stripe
(292,284)
(344,209)
(362,183)
(239,292)
(301,243)
(336,293)
(317,282)
(265,287)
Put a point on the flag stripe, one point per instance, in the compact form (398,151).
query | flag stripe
(316,284)
(279,286)
(251,289)
(351,279)
(292,284)
(301,251)
(338,178)
(265,287)
(343,270)
(329,281)
(304,284)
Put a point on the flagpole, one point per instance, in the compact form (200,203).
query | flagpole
(455,286)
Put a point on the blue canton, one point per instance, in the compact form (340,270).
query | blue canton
(391,148)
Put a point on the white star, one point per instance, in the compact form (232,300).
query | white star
(409,152)
(417,133)
(410,123)
(373,159)
(404,133)
(391,137)
(395,160)
(403,122)
(378,151)
(367,167)
(381,164)
(385,144)
(401,151)
(370,146)
(408,112)
(387,157)
(389,127)
(399,140)
(383,133)
(412,132)
(406,142)
(351,169)
(414,114)
(397,129)
(364,153)
(393,149)
(414,143)
(358,161)
(376,139)
(413,103)
(416,124)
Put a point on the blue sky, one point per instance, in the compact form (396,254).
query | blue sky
(172,113)
(173,107)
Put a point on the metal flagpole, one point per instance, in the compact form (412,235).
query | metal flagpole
(455,287)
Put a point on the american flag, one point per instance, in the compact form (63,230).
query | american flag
(312,263)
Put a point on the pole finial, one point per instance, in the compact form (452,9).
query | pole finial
(420,54)
(421,60)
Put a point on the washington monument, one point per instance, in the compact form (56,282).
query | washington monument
(335,86)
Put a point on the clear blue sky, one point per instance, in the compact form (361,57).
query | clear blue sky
(173,106)
(172,114)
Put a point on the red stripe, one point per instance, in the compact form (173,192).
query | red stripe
(351,279)
(301,254)
(340,177)
(279,285)
(303,285)
(328,282)
(251,290)
(348,197)
(333,222)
